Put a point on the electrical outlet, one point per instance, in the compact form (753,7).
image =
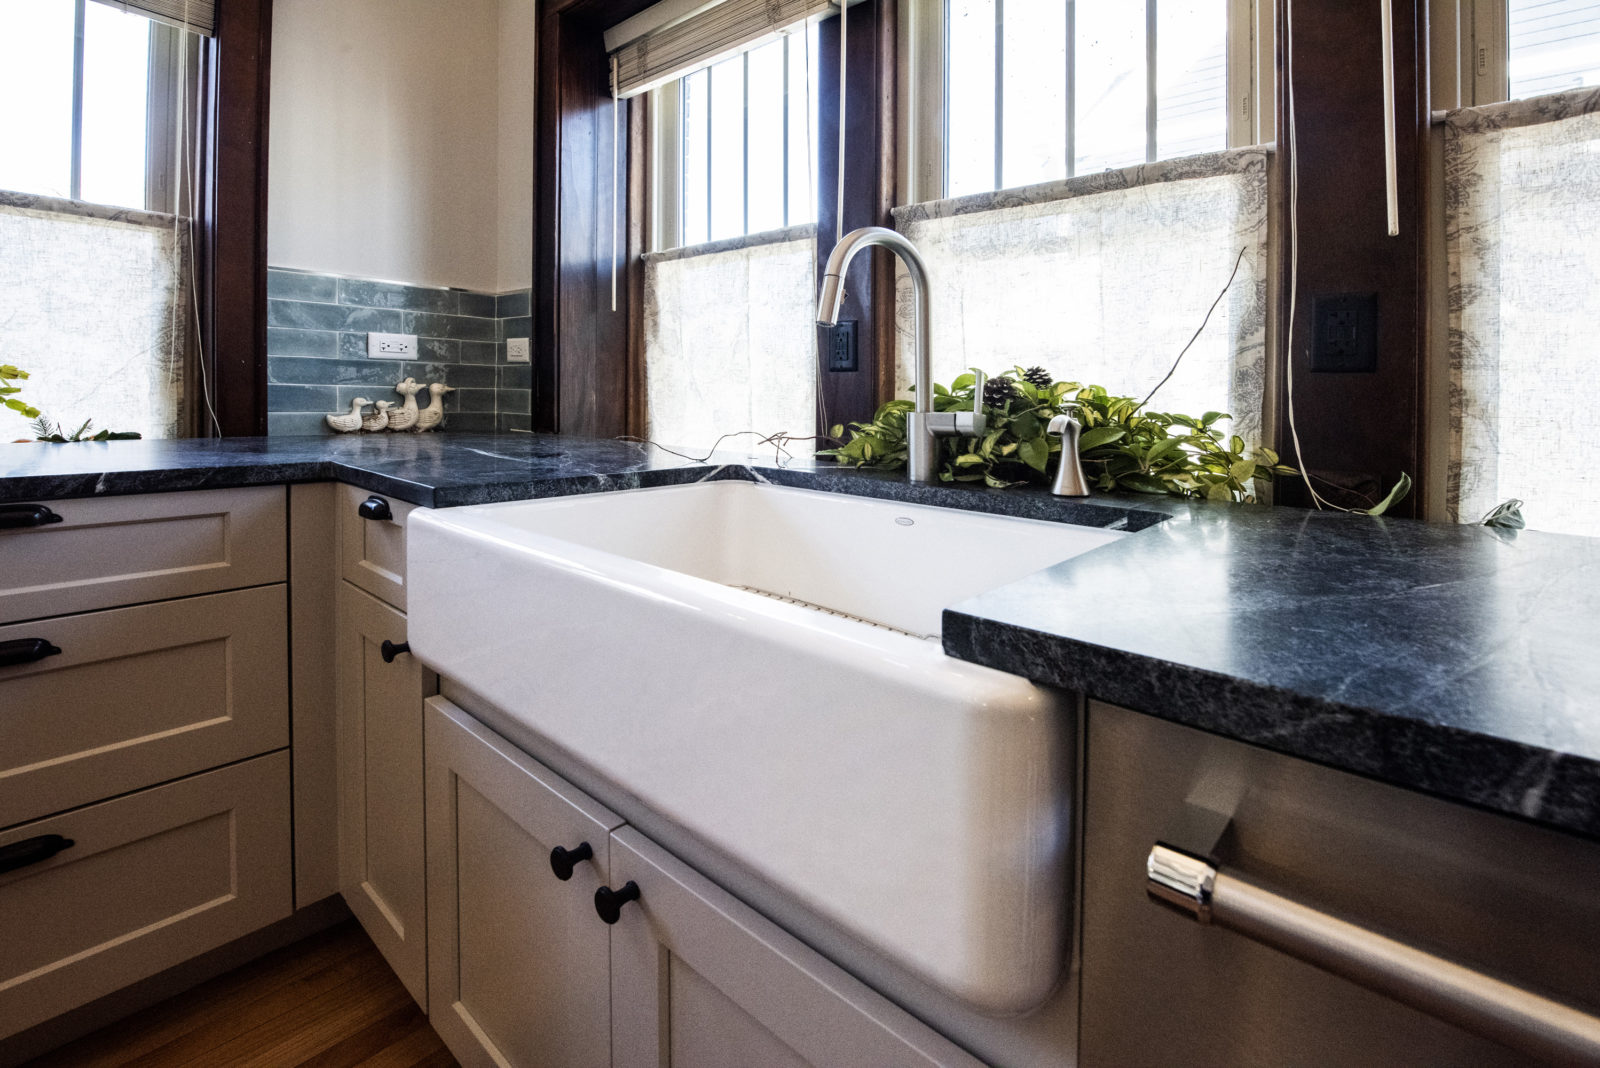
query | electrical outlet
(842,347)
(392,346)
(1345,333)
(516,350)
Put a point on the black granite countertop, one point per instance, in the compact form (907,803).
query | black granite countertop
(1455,660)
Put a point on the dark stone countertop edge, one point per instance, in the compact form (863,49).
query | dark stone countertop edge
(1529,782)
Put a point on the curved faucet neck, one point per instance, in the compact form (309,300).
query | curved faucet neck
(832,297)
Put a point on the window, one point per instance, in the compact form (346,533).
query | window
(735,143)
(1486,51)
(1036,90)
(98,82)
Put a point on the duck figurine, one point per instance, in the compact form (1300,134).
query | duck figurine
(431,416)
(347,422)
(405,417)
(378,419)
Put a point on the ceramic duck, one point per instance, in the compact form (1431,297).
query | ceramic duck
(378,419)
(405,417)
(431,416)
(346,423)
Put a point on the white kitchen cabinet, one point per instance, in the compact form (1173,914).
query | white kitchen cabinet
(381,856)
(372,543)
(101,896)
(519,962)
(700,980)
(524,972)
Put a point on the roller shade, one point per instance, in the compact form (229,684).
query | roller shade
(671,39)
(197,16)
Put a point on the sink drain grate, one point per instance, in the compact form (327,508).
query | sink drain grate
(786,599)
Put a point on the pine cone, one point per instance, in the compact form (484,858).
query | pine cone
(1039,377)
(997,391)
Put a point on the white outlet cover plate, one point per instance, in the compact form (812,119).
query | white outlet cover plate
(516,350)
(392,346)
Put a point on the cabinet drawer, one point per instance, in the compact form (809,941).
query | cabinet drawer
(110,551)
(372,550)
(150,880)
(141,695)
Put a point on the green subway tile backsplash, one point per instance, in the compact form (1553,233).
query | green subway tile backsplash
(317,350)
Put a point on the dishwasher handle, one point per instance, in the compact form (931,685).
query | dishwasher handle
(1469,999)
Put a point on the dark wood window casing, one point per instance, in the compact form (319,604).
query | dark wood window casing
(230,225)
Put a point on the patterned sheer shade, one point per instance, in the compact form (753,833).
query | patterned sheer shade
(1102,279)
(730,339)
(1523,236)
(92,307)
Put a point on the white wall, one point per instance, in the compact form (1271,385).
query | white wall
(401,143)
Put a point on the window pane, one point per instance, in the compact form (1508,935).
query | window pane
(765,131)
(802,125)
(696,158)
(727,149)
(1034,122)
(116,72)
(1191,77)
(969,104)
(36,44)
(1555,45)
(1110,89)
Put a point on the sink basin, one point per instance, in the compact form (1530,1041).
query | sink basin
(760,665)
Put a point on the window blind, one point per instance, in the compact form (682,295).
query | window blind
(659,45)
(197,16)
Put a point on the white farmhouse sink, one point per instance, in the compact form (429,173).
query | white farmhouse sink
(760,665)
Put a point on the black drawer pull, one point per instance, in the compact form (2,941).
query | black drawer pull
(390,650)
(608,902)
(375,507)
(32,851)
(563,860)
(26,651)
(20,516)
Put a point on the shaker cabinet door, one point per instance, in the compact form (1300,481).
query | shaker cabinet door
(700,980)
(381,859)
(519,959)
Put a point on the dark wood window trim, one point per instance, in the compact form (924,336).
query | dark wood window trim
(231,219)
(869,196)
(1361,430)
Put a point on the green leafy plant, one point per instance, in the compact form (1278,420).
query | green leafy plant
(1123,446)
(8,392)
(45,430)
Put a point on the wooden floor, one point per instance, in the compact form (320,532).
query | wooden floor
(329,1002)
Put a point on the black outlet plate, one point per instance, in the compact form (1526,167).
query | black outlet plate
(1345,333)
(841,340)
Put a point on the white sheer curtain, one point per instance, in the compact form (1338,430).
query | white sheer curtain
(1102,279)
(92,305)
(730,340)
(1522,228)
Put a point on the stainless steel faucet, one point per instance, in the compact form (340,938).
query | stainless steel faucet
(1069,480)
(924,426)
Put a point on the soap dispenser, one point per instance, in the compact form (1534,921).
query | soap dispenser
(1069,481)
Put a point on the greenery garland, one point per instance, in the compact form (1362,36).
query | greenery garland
(1122,446)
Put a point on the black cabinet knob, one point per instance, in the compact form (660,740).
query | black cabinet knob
(26,651)
(563,860)
(389,650)
(21,516)
(33,850)
(375,507)
(608,902)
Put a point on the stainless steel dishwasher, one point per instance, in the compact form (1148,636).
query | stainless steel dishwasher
(1335,904)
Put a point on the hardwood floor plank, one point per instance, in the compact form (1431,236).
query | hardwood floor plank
(329,1001)
(221,998)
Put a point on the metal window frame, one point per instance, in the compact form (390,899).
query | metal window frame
(922,135)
